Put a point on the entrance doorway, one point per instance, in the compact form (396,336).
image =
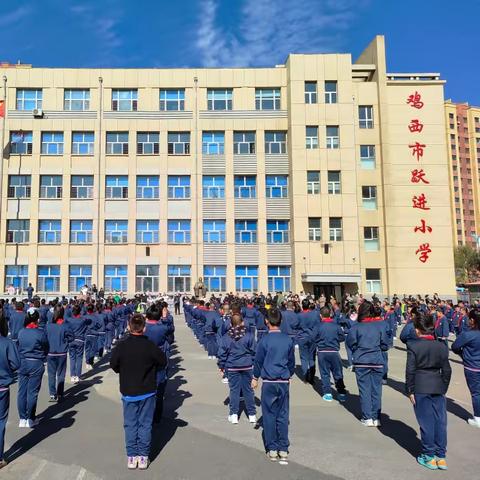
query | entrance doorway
(328,289)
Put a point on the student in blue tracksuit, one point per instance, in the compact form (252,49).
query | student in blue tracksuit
(463,323)
(427,378)
(212,324)
(59,336)
(275,365)
(100,333)
(327,336)
(91,335)
(250,316)
(108,316)
(9,364)
(442,328)
(158,332)
(368,339)
(78,324)
(33,348)
(349,322)
(307,320)
(236,353)
(290,323)
(467,345)
(17,320)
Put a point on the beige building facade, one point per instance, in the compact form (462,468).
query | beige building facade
(316,175)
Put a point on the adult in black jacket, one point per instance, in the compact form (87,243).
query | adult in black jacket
(427,378)
(137,359)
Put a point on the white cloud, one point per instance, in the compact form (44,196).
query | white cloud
(268,30)
(11,18)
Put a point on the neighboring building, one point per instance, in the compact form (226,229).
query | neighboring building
(463,146)
(308,176)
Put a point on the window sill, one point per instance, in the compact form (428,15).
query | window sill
(173,243)
(117,199)
(147,243)
(20,154)
(48,198)
(81,243)
(116,154)
(19,198)
(178,199)
(148,199)
(52,154)
(83,198)
(82,154)
(178,154)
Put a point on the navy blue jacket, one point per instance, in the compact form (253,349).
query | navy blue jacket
(275,357)
(9,362)
(79,326)
(250,317)
(32,343)
(236,354)
(212,321)
(158,332)
(367,340)
(307,321)
(442,329)
(59,336)
(290,323)
(467,345)
(17,321)
(327,335)
(408,333)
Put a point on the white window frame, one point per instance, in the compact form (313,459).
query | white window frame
(178,147)
(253,276)
(371,239)
(76,145)
(120,275)
(213,191)
(213,146)
(286,279)
(332,95)
(114,143)
(21,190)
(224,95)
(334,186)
(153,227)
(369,197)
(152,274)
(21,235)
(311,140)
(209,236)
(22,147)
(368,162)
(222,277)
(268,95)
(313,186)
(155,189)
(238,190)
(333,141)
(118,234)
(310,97)
(76,190)
(149,147)
(250,145)
(124,99)
(179,101)
(284,234)
(184,233)
(269,189)
(19,272)
(282,144)
(184,189)
(86,229)
(335,233)
(41,279)
(373,285)
(314,233)
(20,99)
(117,191)
(72,278)
(241,231)
(179,281)
(69,102)
(365,116)
(44,233)
(54,145)
(49,190)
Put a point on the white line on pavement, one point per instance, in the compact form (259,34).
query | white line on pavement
(38,470)
(81,474)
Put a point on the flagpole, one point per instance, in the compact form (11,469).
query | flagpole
(2,140)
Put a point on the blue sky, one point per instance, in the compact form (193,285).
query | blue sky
(427,35)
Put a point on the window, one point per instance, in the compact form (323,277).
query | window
(213,143)
(178,187)
(374,284)
(333,139)
(116,186)
(245,186)
(178,278)
(179,231)
(29,99)
(277,231)
(49,231)
(178,143)
(314,229)
(335,226)
(275,142)
(276,186)
(48,278)
(124,100)
(52,143)
(267,99)
(148,143)
(246,278)
(243,143)
(51,186)
(367,157)
(116,231)
(172,99)
(18,231)
(369,197)
(75,99)
(16,275)
(148,231)
(310,92)
(81,231)
(365,116)
(79,276)
(219,99)
(213,186)
(245,231)
(146,278)
(279,278)
(311,137)
(21,143)
(214,231)
(370,235)
(334,182)
(215,278)
(82,143)
(19,186)
(116,277)
(81,186)
(330,91)
(313,182)
(117,143)
(148,187)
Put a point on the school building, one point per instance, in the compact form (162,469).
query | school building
(318,175)
(462,123)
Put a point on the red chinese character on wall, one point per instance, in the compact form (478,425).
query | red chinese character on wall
(415,100)
(417,150)
(419,176)
(415,126)
(424,250)
(424,228)
(420,202)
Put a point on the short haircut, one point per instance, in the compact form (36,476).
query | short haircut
(32,317)
(475,317)
(153,313)
(290,305)
(237,320)
(305,304)
(76,310)
(424,323)
(19,305)
(325,312)
(58,313)
(274,317)
(137,323)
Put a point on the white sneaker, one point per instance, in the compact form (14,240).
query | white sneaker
(234,419)
(225,380)
(367,423)
(96,359)
(474,422)
(72,379)
(377,423)
(23,423)
(88,367)
(252,418)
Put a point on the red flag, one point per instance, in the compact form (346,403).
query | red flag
(2,108)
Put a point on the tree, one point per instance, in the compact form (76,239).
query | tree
(467,264)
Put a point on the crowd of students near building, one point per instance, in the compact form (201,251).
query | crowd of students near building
(251,338)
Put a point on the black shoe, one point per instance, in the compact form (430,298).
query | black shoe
(53,398)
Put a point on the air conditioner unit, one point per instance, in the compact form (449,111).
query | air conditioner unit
(38,113)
